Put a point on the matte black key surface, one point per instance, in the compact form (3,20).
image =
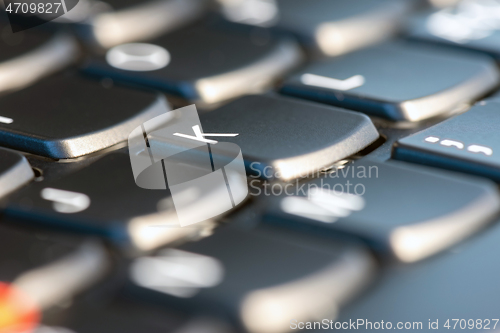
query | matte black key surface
(468,25)
(15,171)
(203,64)
(27,56)
(398,81)
(405,211)
(243,275)
(62,116)
(333,27)
(286,138)
(103,199)
(49,268)
(467,143)
(460,284)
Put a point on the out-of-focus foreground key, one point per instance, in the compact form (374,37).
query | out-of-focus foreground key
(200,63)
(27,56)
(287,138)
(467,143)
(419,295)
(40,271)
(405,211)
(104,200)
(62,116)
(281,278)
(398,81)
(15,171)
(333,27)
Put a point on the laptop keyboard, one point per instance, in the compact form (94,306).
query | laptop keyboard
(367,130)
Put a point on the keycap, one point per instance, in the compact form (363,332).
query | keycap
(331,27)
(27,56)
(437,292)
(465,143)
(105,315)
(104,200)
(132,21)
(40,271)
(403,212)
(468,25)
(398,81)
(15,171)
(67,121)
(284,138)
(200,63)
(257,279)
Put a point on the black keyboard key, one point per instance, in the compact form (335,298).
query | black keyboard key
(402,211)
(398,81)
(448,290)
(103,199)
(333,27)
(27,56)
(468,25)
(287,138)
(40,271)
(15,171)
(200,63)
(70,110)
(131,21)
(466,143)
(251,275)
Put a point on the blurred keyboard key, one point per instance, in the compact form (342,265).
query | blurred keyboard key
(333,27)
(257,278)
(103,199)
(400,210)
(200,63)
(443,3)
(470,24)
(131,21)
(27,56)
(15,171)
(467,143)
(286,138)
(398,81)
(122,315)
(40,271)
(62,116)
(420,294)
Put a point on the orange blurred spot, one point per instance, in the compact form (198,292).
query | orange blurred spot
(17,312)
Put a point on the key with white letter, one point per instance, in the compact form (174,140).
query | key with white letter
(387,81)
(468,143)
